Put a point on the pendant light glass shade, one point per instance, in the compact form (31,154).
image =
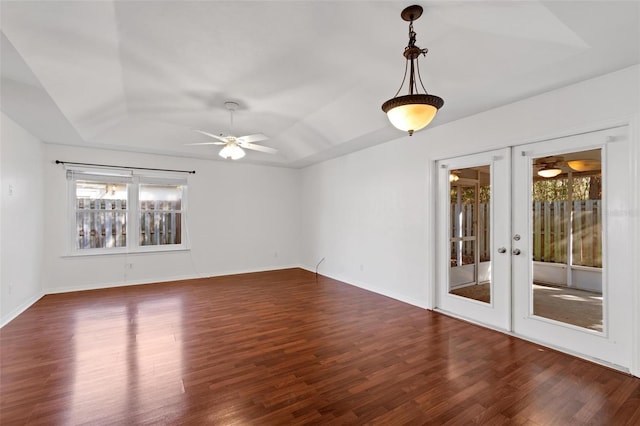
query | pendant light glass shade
(413,115)
(232,150)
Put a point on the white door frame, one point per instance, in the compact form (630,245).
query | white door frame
(497,313)
(613,346)
(634,164)
(633,123)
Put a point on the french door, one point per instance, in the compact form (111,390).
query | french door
(474,228)
(532,241)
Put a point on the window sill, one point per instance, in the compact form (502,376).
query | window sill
(91,253)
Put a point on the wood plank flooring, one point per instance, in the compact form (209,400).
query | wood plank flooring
(285,347)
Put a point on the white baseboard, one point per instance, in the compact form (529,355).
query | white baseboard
(365,286)
(6,319)
(97,286)
(57,290)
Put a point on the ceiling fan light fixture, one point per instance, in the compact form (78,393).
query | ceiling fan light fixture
(416,110)
(231,151)
(549,171)
(584,165)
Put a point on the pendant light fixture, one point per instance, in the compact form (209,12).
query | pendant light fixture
(413,111)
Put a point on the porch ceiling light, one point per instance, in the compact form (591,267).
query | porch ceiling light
(415,110)
(584,165)
(549,171)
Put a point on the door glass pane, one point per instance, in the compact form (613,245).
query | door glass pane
(469,235)
(567,238)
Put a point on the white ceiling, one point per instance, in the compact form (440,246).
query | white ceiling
(311,75)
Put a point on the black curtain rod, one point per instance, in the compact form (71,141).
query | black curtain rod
(191,172)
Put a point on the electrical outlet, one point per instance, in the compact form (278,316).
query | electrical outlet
(10,190)
(128,266)
(361,267)
(10,288)
(275,253)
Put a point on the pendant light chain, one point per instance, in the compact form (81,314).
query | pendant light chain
(413,83)
(412,44)
(412,36)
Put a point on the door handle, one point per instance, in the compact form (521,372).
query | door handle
(502,250)
(516,251)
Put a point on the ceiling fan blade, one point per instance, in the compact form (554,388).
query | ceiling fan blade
(259,148)
(252,138)
(221,138)
(207,143)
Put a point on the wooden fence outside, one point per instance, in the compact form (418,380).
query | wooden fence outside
(103,223)
(160,222)
(465,213)
(550,231)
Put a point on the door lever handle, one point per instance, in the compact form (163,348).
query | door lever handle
(502,250)
(516,251)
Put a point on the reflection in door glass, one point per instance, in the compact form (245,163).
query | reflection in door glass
(469,234)
(567,238)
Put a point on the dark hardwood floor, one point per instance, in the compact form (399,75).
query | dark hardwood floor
(284,348)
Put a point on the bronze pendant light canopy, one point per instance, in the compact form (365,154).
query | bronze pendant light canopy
(416,110)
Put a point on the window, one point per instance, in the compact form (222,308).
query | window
(160,214)
(100,214)
(116,211)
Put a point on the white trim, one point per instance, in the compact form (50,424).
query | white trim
(430,235)
(20,309)
(634,171)
(197,276)
(574,131)
(584,268)
(132,212)
(606,240)
(633,124)
(498,311)
(363,286)
(168,248)
(527,339)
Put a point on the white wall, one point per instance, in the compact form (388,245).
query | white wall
(370,213)
(365,214)
(22,220)
(241,218)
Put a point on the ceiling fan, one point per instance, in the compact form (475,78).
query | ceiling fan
(234,146)
(549,167)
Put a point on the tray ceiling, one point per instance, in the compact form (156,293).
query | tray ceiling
(311,75)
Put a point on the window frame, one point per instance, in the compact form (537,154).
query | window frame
(133,181)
